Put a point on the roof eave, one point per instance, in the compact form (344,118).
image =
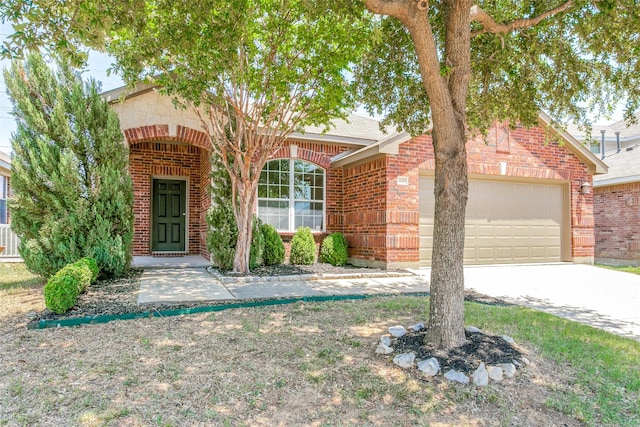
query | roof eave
(596,165)
(389,145)
(616,181)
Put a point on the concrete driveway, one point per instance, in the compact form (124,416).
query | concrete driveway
(603,298)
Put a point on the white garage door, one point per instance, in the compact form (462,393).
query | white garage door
(506,222)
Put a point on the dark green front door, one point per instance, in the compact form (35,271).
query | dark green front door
(169,215)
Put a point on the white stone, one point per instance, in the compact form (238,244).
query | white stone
(509,369)
(405,360)
(508,339)
(383,349)
(417,327)
(525,361)
(385,340)
(472,330)
(456,376)
(429,366)
(481,376)
(516,363)
(397,331)
(495,373)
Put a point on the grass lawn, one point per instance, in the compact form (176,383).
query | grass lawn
(300,364)
(626,268)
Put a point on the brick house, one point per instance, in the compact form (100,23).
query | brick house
(617,195)
(526,201)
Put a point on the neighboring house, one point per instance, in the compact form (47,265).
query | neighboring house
(527,198)
(617,197)
(5,173)
(8,239)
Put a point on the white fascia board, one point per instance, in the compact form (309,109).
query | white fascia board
(388,145)
(616,181)
(334,139)
(579,149)
(124,92)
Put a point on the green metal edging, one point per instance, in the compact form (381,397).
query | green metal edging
(76,321)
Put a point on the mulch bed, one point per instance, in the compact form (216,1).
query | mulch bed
(479,347)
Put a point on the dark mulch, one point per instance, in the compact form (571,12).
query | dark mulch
(294,270)
(479,347)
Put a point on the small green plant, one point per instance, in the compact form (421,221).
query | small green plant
(92,264)
(303,247)
(273,245)
(334,249)
(62,290)
(256,252)
(61,293)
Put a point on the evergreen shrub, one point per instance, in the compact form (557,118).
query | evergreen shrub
(72,193)
(334,249)
(273,245)
(92,265)
(256,252)
(62,289)
(303,247)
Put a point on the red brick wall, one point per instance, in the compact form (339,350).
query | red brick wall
(617,223)
(381,217)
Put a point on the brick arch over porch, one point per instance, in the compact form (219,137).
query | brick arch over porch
(176,133)
(172,152)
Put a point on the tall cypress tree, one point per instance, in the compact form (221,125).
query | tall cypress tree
(73,196)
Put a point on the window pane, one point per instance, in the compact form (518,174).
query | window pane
(274,212)
(309,215)
(3,211)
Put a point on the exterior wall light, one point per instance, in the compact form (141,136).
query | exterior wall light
(585,188)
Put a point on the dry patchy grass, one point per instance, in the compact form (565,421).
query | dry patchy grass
(303,364)
(20,291)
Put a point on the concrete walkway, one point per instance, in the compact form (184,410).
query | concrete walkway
(605,299)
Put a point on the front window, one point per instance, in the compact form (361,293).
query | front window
(291,195)
(3,199)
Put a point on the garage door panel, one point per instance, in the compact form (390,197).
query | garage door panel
(506,222)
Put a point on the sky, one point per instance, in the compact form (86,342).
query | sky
(97,68)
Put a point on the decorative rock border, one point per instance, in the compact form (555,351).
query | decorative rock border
(431,366)
(304,277)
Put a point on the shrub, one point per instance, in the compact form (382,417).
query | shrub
(223,235)
(303,247)
(72,193)
(61,293)
(62,289)
(256,252)
(273,246)
(92,265)
(334,249)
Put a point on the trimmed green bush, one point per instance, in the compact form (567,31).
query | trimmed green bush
(273,245)
(61,293)
(92,264)
(62,290)
(303,247)
(334,249)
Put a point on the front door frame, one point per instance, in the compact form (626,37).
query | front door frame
(186,220)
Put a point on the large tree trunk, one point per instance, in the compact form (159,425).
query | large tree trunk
(446,83)
(243,208)
(446,311)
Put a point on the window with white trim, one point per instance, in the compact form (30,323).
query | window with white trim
(3,199)
(291,195)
